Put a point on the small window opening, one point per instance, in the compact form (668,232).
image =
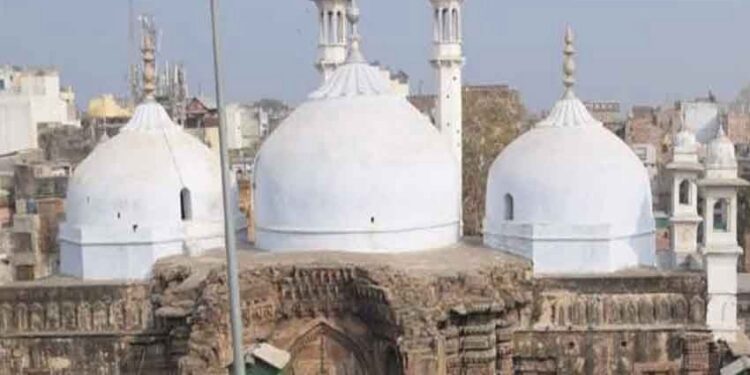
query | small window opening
(721,222)
(135,227)
(372,219)
(186,210)
(118,215)
(684,192)
(509,214)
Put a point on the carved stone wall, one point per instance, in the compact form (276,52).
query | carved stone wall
(637,324)
(367,319)
(76,328)
(365,316)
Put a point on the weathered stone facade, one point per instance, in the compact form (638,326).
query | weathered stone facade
(68,327)
(463,310)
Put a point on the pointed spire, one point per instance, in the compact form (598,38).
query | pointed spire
(148,52)
(569,65)
(352,15)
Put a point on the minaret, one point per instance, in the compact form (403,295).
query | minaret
(719,189)
(448,60)
(332,36)
(685,170)
(148,51)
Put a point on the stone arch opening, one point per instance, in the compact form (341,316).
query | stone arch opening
(454,25)
(445,32)
(325,350)
(684,192)
(186,206)
(721,215)
(509,213)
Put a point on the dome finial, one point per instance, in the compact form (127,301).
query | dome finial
(352,15)
(569,65)
(148,52)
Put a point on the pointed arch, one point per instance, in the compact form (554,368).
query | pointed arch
(684,192)
(320,333)
(330,27)
(721,215)
(340,29)
(436,26)
(509,213)
(454,25)
(186,205)
(445,25)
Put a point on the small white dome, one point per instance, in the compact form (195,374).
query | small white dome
(571,196)
(685,142)
(720,152)
(356,168)
(151,191)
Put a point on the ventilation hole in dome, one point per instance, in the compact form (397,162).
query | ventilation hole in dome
(118,215)
(135,227)
(372,219)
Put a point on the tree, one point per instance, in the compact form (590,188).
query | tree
(492,118)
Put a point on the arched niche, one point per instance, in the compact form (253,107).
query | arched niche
(325,350)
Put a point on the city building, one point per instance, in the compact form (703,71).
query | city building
(31,98)
(39,194)
(609,114)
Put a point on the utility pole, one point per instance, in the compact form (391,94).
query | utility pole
(233,281)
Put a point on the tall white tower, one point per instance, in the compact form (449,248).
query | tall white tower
(448,60)
(683,223)
(332,26)
(719,187)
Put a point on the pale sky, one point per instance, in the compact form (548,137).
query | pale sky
(634,51)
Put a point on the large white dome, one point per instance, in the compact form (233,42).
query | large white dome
(571,196)
(151,191)
(356,168)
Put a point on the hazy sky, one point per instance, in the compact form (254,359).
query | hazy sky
(647,51)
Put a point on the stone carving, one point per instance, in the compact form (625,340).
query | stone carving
(697,310)
(36,317)
(99,316)
(84,316)
(630,315)
(52,314)
(68,315)
(662,310)
(679,309)
(117,315)
(645,311)
(6,317)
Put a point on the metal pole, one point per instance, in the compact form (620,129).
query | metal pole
(233,281)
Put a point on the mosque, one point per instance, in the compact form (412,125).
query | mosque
(359,265)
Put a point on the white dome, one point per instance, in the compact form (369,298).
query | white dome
(151,191)
(356,168)
(571,196)
(720,152)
